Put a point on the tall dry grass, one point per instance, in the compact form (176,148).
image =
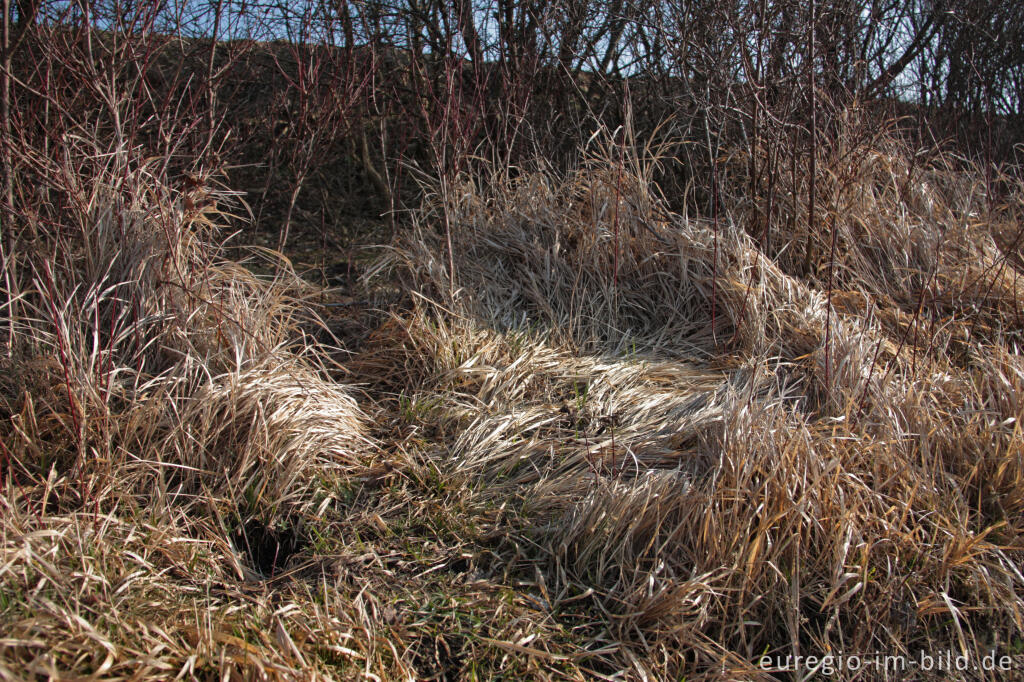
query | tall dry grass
(714,454)
(162,413)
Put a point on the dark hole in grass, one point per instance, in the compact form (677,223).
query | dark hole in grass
(460,565)
(63,498)
(268,549)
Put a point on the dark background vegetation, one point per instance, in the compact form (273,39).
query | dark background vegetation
(326,112)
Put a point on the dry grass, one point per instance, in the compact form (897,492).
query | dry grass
(627,444)
(698,484)
(155,402)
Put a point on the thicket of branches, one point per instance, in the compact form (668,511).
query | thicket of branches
(326,98)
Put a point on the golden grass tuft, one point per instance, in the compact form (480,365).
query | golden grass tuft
(158,399)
